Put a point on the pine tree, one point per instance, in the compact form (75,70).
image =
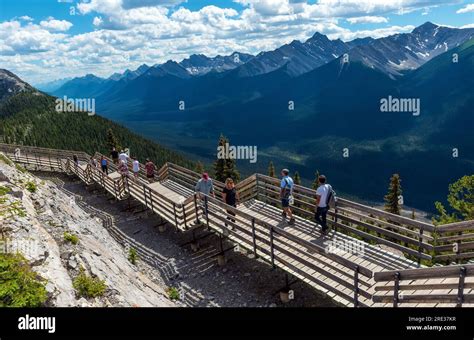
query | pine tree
(225,167)
(392,198)
(297,178)
(199,167)
(316,181)
(219,164)
(112,141)
(271,170)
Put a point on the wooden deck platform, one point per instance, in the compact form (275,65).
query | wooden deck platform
(341,264)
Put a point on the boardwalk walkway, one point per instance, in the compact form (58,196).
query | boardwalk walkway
(370,257)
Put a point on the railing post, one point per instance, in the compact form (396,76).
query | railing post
(356,286)
(256,186)
(144,195)
(151,198)
(175,217)
(206,207)
(272,251)
(396,288)
(458,247)
(184,217)
(462,277)
(420,248)
(254,239)
(196,208)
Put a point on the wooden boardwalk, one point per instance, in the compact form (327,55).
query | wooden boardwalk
(341,264)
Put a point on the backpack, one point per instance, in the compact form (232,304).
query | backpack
(331,199)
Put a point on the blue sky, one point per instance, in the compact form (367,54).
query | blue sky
(42,40)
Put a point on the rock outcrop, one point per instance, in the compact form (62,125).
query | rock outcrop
(35,217)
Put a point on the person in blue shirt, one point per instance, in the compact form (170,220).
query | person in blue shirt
(286,190)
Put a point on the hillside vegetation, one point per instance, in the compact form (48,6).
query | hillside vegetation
(29,118)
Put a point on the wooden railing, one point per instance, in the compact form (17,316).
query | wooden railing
(369,224)
(426,285)
(306,260)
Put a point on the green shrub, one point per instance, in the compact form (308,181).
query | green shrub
(87,286)
(20,168)
(132,256)
(20,286)
(71,238)
(4,190)
(173,293)
(31,187)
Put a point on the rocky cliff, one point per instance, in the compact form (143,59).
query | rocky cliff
(59,239)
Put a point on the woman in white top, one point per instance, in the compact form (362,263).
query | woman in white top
(136,168)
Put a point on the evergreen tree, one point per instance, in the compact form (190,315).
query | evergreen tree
(112,141)
(460,199)
(199,167)
(297,178)
(271,170)
(392,198)
(316,181)
(219,164)
(225,167)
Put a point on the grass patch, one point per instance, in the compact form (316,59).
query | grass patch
(89,287)
(173,293)
(4,190)
(20,286)
(71,238)
(20,168)
(132,256)
(31,187)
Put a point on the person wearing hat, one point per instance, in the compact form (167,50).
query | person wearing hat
(204,186)
(286,189)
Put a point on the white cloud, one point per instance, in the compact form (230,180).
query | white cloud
(367,20)
(127,34)
(467,9)
(26,18)
(56,25)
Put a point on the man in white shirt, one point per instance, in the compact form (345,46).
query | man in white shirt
(123,157)
(321,203)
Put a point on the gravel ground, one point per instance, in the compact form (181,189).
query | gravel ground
(242,282)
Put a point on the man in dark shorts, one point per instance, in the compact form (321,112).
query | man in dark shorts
(286,187)
(115,156)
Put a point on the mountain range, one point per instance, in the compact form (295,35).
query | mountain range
(336,88)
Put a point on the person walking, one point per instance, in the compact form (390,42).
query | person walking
(135,168)
(204,186)
(230,196)
(115,156)
(322,196)
(123,157)
(93,162)
(123,169)
(75,159)
(103,164)
(150,170)
(286,191)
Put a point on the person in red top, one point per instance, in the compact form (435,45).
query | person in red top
(150,170)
